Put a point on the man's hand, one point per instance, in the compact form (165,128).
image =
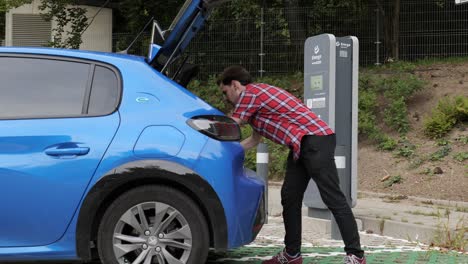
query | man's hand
(251,141)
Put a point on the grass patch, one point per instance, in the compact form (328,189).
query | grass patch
(462,139)
(417,212)
(428,202)
(431,61)
(416,162)
(451,239)
(393,180)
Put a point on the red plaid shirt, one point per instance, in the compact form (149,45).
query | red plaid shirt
(278,116)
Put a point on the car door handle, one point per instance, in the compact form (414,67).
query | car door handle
(78,151)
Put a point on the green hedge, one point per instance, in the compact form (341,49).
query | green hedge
(449,112)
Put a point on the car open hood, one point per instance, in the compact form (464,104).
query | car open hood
(190,19)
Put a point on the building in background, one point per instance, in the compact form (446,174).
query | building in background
(24,26)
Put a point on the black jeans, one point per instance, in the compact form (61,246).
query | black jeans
(316,161)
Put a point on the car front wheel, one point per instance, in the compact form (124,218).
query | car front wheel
(153,224)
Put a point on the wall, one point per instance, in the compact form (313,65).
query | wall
(98,36)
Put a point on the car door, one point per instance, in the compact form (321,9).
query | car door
(57,118)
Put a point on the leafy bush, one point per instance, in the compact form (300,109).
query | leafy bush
(442,142)
(210,92)
(396,116)
(387,143)
(405,148)
(393,180)
(367,107)
(282,82)
(403,85)
(416,163)
(390,94)
(397,91)
(462,156)
(441,153)
(462,139)
(446,115)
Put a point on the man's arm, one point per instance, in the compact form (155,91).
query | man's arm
(251,141)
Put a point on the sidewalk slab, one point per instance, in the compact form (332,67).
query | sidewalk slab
(410,218)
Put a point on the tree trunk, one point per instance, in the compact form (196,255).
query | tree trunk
(391,19)
(396,30)
(297,20)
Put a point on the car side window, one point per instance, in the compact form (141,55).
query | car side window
(104,92)
(41,87)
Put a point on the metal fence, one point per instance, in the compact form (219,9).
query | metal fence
(436,29)
(429,29)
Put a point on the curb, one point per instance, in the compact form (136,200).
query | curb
(411,198)
(417,199)
(407,231)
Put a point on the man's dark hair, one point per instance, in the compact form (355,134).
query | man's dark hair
(234,73)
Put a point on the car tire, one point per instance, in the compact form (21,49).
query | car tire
(181,235)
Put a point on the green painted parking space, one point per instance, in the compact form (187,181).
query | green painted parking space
(325,255)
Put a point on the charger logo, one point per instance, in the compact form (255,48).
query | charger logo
(316,49)
(343,45)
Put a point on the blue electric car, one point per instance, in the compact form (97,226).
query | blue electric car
(109,156)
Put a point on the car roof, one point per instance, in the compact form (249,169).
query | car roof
(80,54)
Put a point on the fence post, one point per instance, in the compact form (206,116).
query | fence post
(262,171)
(377,42)
(262,28)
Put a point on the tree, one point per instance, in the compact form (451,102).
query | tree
(65,15)
(132,15)
(390,11)
(6,5)
(63,12)
(297,22)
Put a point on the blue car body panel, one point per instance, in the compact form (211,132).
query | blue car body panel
(239,193)
(45,193)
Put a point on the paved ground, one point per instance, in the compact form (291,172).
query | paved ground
(392,231)
(318,249)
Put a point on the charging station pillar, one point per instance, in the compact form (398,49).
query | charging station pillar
(330,90)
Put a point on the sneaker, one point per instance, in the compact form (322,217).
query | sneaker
(283,258)
(352,259)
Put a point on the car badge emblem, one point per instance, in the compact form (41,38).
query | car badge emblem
(142,99)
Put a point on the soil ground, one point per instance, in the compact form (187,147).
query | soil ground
(452,184)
